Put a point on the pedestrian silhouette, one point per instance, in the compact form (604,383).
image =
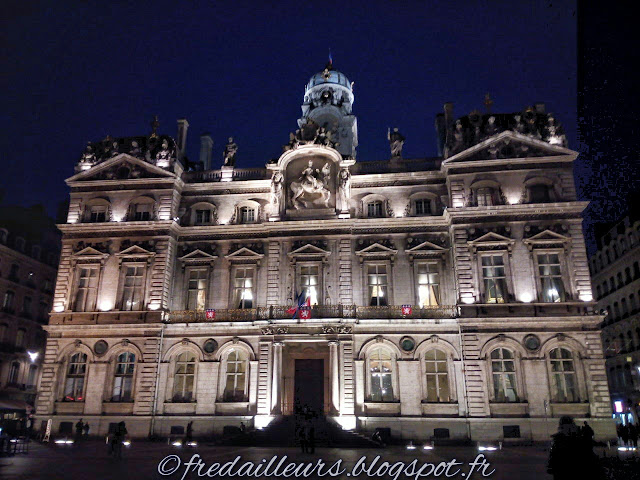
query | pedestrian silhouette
(117,439)
(85,430)
(79,427)
(571,457)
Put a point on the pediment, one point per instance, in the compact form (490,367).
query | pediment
(135,251)
(309,251)
(376,249)
(426,249)
(113,169)
(89,252)
(491,239)
(197,255)
(244,253)
(509,145)
(547,237)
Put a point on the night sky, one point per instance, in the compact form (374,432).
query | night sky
(74,73)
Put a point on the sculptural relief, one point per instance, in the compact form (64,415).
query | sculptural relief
(276,192)
(311,188)
(344,189)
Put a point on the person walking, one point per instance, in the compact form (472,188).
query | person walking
(633,434)
(587,433)
(189,436)
(117,439)
(570,456)
(79,427)
(624,434)
(85,430)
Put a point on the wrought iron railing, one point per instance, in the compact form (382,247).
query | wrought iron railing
(279,312)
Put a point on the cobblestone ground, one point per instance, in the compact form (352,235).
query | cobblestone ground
(90,461)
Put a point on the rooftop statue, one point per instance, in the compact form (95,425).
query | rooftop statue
(89,156)
(396,142)
(229,154)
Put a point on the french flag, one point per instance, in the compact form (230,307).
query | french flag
(303,306)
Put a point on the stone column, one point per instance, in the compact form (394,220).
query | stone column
(276,379)
(334,369)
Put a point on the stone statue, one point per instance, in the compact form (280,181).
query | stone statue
(163,156)
(344,189)
(89,156)
(114,150)
(519,127)
(396,142)
(491,128)
(311,184)
(135,151)
(293,142)
(230,151)
(458,144)
(276,191)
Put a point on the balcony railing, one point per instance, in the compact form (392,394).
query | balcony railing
(279,312)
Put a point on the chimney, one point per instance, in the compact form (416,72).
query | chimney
(206,146)
(539,107)
(183,126)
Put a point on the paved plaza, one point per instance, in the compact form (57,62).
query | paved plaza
(90,461)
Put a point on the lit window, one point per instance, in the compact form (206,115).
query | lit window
(87,290)
(13,372)
(203,217)
(234,390)
(377,285)
(123,378)
(374,209)
(197,289)
(243,287)
(74,384)
(484,197)
(437,376)
(184,378)
(380,369)
(247,215)
(504,375)
(31,378)
(493,275)
(428,284)
(563,373)
(550,277)
(8,300)
(132,287)
(422,206)
(309,282)
(98,213)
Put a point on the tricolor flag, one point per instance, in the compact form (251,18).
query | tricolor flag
(303,306)
(330,58)
(210,314)
(407,309)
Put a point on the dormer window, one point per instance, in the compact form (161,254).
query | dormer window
(36,251)
(539,194)
(422,206)
(3,235)
(484,197)
(98,213)
(247,215)
(203,217)
(374,209)
(142,212)
(20,244)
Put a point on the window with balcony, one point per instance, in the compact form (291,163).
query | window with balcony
(75,378)
(437,373)
(494,278)
(377,285)
(184,377)
(123,378)
(550,278)
(87,289)
(197,288)
(243,287)
(132,287)
(564,387)
(503,370)
(309,283)
(428,281)
(236,377)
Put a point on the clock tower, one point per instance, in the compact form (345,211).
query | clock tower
(328,100)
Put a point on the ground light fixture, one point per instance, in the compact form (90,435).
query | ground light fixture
(627,449)
(64,441)
(177,443)
(410,445)
(428,446)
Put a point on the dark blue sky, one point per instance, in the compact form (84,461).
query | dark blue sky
(75,72)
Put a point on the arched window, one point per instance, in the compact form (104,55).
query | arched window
(97,210)
(564,387)
(184,378)
(436,369)
(141,209)
(381,371)
(123,377)
(203,213)
(236,377)
(13,373)
(76,372)
(247,214)
(503,369)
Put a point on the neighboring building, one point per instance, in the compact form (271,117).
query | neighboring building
(29,255)
(616,278)
(449,296)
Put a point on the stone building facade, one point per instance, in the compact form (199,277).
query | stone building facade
(29,254)
(447,296)
(616,279)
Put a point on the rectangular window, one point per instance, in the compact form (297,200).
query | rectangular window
(20,337)
(484,197)
(423,206)
(132,287)
(142,212)
(243,287)
(539,194)
(197,289)
(428,284)
(378,287)
(310,282)
(98,213)
(123,378)
(552,287)
(494,279)
(374,209)
(31,378)
(437,378)
(87,291)
(247,215)
(203,217)
(8,300)
(26,306)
